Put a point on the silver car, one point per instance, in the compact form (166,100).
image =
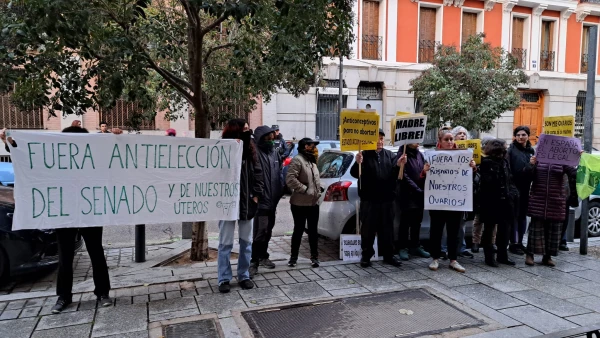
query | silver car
(339,202)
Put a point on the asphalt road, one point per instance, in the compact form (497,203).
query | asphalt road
(122,236)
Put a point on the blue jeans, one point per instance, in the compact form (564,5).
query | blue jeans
(226,230)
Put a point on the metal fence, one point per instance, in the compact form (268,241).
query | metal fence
(584,63)
(121,114)
(579,111)
(328,117)
(371,47)
(12,118)
(547,60)
(520,55)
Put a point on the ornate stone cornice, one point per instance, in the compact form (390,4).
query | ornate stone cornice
(581,14)
(488,5)
(566,14)
(508,5)
(537,11)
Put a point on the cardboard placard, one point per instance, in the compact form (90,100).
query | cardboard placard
(409,129)
(560,125)
(449,183)
(558,150)
(351,251)
(474,144)
(359,130)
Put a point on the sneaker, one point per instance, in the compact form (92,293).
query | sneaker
(253,269)
(516,249)
(246,284)
(60,305)
(395,261)
(457,267)
(224,287)
(292,262)
(434,265)
(466,254)
(314,262)
(105,301)
(403,255)
(419,252)
(266,263)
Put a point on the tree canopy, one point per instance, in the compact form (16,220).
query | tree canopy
(71,55)
(471,87)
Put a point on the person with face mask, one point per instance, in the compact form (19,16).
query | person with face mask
(377,191)
(304,181)
(264,221)
(251,191)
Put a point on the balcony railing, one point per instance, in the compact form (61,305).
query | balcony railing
(547,60)
(584,63)
(520,55)
(427,50)
(371,47)
(592,1)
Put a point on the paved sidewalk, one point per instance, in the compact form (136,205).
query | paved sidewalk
(520,301)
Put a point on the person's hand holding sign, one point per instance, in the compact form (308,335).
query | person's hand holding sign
(533,160)
(472,164)
(402,160)
(359,158)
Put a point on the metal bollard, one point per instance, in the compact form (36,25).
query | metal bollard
(140,243)
(571,226)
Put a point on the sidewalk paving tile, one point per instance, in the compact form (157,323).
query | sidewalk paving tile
(137,334)
(538,319)
(157,296)
(267,301)
(508,286)
(589,263)
(230,328)
(169,305)
(591,275)
(304,291)
(20,328)
(15,305)
(517,331)
(120,319)
(550,287)
(66,319)
(586,319)
(37,302)
(494,315)
(220,303)
(336,284)
(590,302)
(589,287)
(30,312)
(75,331)
(405,276)
(558,276)
(549,303)
(173,314)
(10,314)
(488,296)
(262,283)
(261,293)
(447,277)
(485,277)
(348,292)
(378,282)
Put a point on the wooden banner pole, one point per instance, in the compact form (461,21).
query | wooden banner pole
(401,173)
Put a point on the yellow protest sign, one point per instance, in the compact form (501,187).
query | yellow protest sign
(402,113)
(471,144)
(559,125)
(359,129)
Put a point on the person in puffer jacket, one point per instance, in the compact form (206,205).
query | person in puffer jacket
(304,180)
(547,204)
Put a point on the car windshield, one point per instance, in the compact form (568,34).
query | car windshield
(334,164)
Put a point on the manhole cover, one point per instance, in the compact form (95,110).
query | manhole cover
(206,328)
(407,313)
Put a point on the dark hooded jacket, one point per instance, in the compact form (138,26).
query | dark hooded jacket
(522,171)
(251,185)
(379,175)
(269,161)
(412,186)
(497,192)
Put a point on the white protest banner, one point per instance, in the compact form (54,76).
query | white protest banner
(65,180)
(351,250)
(449,183)
(409,129)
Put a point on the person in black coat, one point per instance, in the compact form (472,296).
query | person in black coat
(376,189)
(498,198)
(521,160)
(270,162)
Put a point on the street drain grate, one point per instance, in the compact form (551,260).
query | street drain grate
(408,313)
(206,328)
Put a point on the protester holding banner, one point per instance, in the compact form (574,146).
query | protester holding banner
(251,190)
(304,180)
(498,200)
(411,201)
(547,204)
(269,160)
(460,134)
(440,219)
(376,188)
(521,159)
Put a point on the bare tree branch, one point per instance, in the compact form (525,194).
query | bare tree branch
(214,49)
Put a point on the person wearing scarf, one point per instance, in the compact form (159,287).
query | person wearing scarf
(304,182)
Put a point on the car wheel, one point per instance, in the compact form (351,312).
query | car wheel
(594,219)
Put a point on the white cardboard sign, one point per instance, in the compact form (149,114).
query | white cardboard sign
(449,183)
(351,251)
(409,129)
(65,180)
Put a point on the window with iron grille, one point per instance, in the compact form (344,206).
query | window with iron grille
(121,114)
(579,111)
(369,91)
(12,118)
(530,97)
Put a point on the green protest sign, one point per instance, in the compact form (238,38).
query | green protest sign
(588,175)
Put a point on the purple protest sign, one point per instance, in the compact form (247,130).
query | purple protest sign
(558,150)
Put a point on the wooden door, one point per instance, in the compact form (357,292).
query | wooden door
(469,25)
(370,18)
(427,24)
(517,32)
(530,113)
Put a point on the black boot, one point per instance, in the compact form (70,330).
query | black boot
(490,260)
(475,248)
(503,256)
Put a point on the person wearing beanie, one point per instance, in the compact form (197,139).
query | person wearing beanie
(377,191)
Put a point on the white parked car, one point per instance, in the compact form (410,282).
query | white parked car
(338,204)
